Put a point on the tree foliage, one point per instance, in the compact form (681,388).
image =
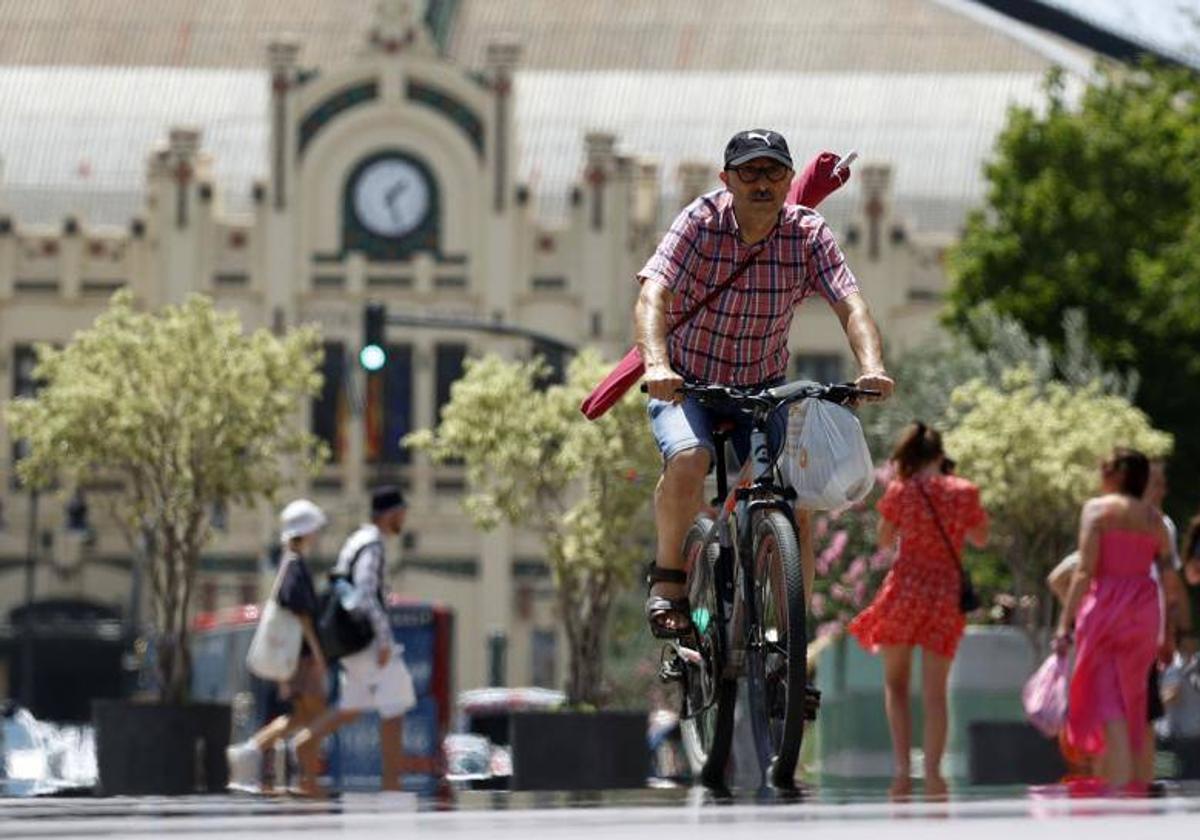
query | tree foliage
(1094,206)
(928,374)
(1034,449)
(186,412)
(585,488)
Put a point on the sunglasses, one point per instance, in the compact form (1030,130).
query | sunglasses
(749,174)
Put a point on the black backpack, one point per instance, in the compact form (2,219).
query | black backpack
(342,632)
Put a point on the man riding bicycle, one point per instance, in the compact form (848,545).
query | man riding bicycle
(782,254)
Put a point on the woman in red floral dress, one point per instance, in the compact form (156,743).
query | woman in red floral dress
(918,604)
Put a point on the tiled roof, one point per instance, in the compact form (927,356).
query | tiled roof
(935,130)
(76,140)
(766,36)
(912,82)
(177,33)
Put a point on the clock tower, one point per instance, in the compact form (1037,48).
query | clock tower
(384,173)
(392,182)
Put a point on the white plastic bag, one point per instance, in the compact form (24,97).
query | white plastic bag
(825,458)
(275,649)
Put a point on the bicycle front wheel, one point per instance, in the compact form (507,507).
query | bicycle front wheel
(777,654)
(708,696)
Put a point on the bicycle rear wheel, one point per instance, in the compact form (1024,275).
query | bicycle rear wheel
(707,720)
(778,651)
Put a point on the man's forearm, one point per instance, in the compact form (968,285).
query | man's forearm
(865,341)
(650,330)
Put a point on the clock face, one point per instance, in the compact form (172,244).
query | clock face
(391,197)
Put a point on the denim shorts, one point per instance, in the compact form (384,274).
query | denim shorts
(678,427)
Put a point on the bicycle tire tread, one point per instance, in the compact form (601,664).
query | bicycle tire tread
(778,527)
(712,772)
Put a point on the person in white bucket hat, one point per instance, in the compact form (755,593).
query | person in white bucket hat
(300,526)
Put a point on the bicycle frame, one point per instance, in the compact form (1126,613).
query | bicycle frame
(734,645)
(754,490)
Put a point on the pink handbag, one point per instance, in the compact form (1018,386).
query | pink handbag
(1045,695)
(809,188)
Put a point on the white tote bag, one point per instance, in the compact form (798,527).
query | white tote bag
(275,649)
(825,458)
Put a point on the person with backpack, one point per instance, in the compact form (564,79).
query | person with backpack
(374,678)
(303,696)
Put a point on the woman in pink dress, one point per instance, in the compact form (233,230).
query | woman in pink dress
(1118,617)
(931,513)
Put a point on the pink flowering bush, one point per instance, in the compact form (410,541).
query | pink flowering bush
(849,567)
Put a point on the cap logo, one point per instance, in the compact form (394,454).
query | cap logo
(766,138)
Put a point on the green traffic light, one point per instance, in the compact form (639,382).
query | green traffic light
(372,357)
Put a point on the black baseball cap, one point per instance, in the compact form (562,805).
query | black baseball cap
(385,499)
(757,143)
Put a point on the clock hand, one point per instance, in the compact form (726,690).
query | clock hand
(390,197)
(394,191)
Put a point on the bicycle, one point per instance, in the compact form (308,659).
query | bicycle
(745,585)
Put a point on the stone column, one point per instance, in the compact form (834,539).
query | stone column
(600,241)
(503,56)
(695,179)
(171,181)
(70,259)
(281,59)
(8,256)
(284,271)
(876,188)
(495,277)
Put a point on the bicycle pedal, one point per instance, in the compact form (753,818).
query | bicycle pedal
(671,667)
(670,672)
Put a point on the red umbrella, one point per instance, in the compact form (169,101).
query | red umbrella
(820,178)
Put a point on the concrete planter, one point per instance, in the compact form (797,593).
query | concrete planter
(152,749)
(579,750)
(1012,752)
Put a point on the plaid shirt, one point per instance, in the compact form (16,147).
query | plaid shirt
(741,337)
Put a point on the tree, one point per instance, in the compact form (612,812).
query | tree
(583,487)
(187,413)
(928,374)
(1093,206)
(1035,450)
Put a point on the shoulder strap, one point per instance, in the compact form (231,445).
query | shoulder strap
(357,554)
(725,284)
(937,520)
(284,559)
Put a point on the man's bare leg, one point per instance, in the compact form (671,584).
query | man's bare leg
(677,499)
(391,745)
(308,746)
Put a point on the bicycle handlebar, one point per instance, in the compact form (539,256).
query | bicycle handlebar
(789,392)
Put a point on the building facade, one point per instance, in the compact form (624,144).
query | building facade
(392,175)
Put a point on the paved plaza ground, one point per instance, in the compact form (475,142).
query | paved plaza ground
(690,815)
